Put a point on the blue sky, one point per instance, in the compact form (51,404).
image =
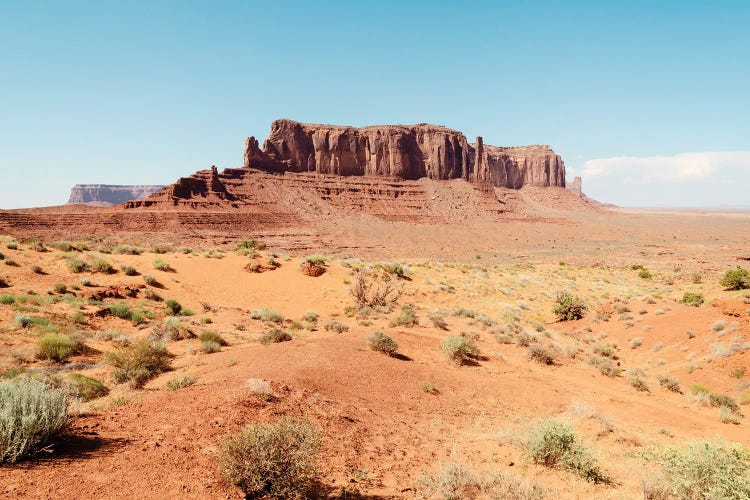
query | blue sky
(649,101)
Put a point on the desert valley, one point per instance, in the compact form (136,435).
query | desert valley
(382,312)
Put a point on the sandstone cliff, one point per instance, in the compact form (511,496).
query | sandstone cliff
(103,194)
(405,151)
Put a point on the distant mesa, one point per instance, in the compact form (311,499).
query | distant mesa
(576,187)
(106,194)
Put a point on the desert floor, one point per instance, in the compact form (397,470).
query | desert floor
(381,426)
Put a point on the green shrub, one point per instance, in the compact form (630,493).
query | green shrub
(87,388)
(736,279)
(645,274)
(568,307)
(32,414)
(699,389)
(173,307)
(126,250)
(379,341)
(718,400)
(274,336)
(310,317)
(637,380)
(250,245)
(37,270)
(180,382)
(102,266)
(11,245)
(266,314)
(554,444)
(209,336)
(138,363)
(271,460)
(161,249)
(76,265)
(707,470)
(438,321)
(407,317)
(162,265)
(336,326)
(7,300)
(129,270)
(462,312)
(121,310)
(459,349)
(692,299)
(60,288)
(149,280)
(210,347)
(56,347)
(541,355)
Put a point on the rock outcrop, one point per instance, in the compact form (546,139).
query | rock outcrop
(577,186)
(405,151)
(104,194)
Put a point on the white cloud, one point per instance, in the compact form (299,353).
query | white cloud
(706,167)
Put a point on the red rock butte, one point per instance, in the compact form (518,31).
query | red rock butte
(307,176)
(405,151)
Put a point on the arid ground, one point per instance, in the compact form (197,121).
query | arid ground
(632,377)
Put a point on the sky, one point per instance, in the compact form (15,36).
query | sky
(648,101)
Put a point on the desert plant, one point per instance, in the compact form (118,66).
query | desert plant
(121,310)
(87,388)
(637,380)
(568,307)
(336,326)
(379,341)
(723,400)
(605,365)
(692,299)
(149,280)
(266,314)
(399,270)
(11,245)
(736,279)
(636,342)
(459,349)
(210,347)
(60,288)
(274,336)
(707,470)
(56,347)
(171,328)
(427,387)
(126,250)
(37,270)
(209,336)
(554,444)
(129,270)
(645,274)
(6,299)
(373,289)
(453,481)
(32,414)
(102,266)
(438,321)
(179,382)
(310,317)
(669,383)
(407,317)
(138,363)
(173,307)
(162,265)
(541,354)
(271,460)
(76,265)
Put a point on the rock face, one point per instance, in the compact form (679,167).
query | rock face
(104,194)
(405,151)
(577,186)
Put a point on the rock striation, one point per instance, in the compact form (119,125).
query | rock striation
(106,194)
(408,152)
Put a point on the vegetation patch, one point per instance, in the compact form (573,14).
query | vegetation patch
(736,279)
(379,341)
(271,460)
(568,307)
(459,349)
(554,444)
(87,388)
(138,363)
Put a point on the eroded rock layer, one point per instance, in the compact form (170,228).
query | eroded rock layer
(407,152)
